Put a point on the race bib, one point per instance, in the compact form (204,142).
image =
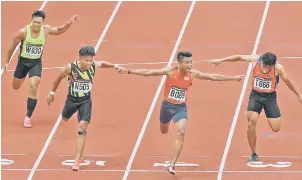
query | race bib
(82,87)
(177,94)
(33,50)
(262,84)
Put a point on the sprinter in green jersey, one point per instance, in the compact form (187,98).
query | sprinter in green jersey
(32,39)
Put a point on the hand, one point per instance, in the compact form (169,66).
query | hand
(74,18)
(5,67)
(50,99)
(216,62)
(121,70)
(239,77)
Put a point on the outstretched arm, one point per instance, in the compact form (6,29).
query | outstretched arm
(62,74)
(235,58)
(104,64)
(215,77)
(150,72)
(290,83)
(61,29)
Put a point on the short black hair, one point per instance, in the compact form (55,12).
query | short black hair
(39,13)
(87,51)
(269,58)
(182,54)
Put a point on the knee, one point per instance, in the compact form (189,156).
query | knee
(164,128)
(276,129)
(251,125)
(164,131)
(82,130)
(252,121)
(16,86)
(34,85)
(181,132)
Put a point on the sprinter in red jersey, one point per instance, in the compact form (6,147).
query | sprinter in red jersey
(265,78)
(174,107)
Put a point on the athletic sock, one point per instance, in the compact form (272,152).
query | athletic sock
(31,105)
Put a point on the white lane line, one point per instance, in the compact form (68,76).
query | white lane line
(232,129)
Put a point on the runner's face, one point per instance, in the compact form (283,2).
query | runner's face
(37,22)
(186,64)
(265,68)
(86,61)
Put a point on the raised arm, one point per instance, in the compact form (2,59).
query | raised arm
(150,72)
(61,29)
(235,58)
(290,83)
(215,77)
(62,74)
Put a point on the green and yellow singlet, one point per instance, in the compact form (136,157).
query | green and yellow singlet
(32,48)
(80,81)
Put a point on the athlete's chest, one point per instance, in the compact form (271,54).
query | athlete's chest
(263,81)
(81,81)
(177,88)
(183,82)
(34,47)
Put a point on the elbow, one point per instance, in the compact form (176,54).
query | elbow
(59,33)
(148,73)
(213,78)
(12,47)
(238,58)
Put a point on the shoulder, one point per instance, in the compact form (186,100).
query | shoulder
(47,28)
(279,69)
(21,33)
(68,66)
(169,70)
(254,58)
(195,73)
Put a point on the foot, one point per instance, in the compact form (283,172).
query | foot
(253,157)
(27,122)
(76,166)
(171,169)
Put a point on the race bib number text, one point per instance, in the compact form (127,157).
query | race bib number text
(33,50)
(82,87)
(262,84)
(177,94)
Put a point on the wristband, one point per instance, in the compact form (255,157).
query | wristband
(52,93)
(115,65)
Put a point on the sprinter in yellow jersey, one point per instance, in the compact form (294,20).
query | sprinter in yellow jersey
(32,38)
(80,78)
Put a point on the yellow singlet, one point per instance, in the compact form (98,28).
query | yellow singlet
(32,48)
